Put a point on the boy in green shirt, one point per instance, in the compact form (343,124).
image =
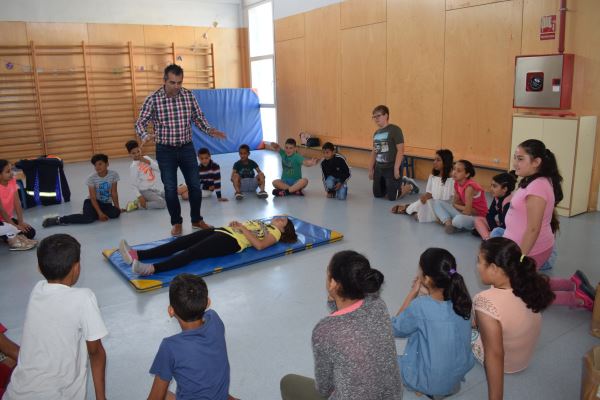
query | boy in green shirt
(291,181)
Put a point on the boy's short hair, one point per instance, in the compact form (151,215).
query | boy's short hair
(244,147)
(291,141)
(99,157)
(130,145)
(203,150)
(57,254)
(328,146)
(381,109)
(188,296)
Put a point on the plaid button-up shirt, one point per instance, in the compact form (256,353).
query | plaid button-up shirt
(171,117)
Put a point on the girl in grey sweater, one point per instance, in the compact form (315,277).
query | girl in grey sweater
(353,347)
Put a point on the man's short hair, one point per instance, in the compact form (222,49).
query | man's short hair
(291,141)
(99,157)
(188,296)
(131,144)
(57,254)
(173,69)
(381,109)
(203,150)
(244,147)
(328,146)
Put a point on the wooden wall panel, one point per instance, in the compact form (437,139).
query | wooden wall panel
(115,34)
(13,33)
(289,28)
(478,81)
(415,71)
(291,88)
(533,11)
(229,63)
(455,4)
(323,71)
(362,12)
(49,33)
(363,81)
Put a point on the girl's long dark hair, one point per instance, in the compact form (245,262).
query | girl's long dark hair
(548,169)
(440,266)
(447,161)
(353,272)
(507,180)
(532,287)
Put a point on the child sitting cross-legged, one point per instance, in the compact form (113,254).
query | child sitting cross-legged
(103,201)
(291,181)
(197,357)
(145,179)
(63,326)
(502,188)
(244,177)
(335,172)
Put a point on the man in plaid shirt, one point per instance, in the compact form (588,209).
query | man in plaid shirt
(172,109)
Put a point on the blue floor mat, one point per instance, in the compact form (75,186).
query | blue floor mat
(309,236)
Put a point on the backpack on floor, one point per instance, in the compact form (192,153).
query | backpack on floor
(46,183)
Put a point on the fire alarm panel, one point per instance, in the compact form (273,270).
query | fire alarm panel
(543,81)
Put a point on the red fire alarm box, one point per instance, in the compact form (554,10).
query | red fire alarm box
(544,81)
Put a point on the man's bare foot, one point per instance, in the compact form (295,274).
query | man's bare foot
(201,225)
(176,230)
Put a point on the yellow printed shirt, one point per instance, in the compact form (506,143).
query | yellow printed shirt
(258,228)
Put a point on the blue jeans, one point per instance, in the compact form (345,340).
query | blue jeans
(170,158)
(445,211)
(330,183)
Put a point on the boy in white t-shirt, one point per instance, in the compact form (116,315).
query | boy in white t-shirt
(62,326)
(145,179)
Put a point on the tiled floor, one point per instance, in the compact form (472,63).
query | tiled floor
(270,308)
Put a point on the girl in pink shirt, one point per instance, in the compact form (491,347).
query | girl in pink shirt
(532,223)
(469,200)
(508,314)
(10,204)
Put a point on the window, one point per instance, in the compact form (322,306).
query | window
(262,66)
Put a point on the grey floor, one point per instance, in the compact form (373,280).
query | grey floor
(269,309)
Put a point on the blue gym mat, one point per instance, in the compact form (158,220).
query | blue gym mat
(309,236)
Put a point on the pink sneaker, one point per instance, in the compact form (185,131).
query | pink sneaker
(587,301)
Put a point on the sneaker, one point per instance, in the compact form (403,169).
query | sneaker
(262,194)
(582,282)
(586,301)
(279,192)
(132,205)
(298,193)
(239,196)
(138,267)
(413,183)
(18,244)
(127,253)
(51,221)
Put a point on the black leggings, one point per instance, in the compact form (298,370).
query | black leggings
(206,243)
(89,213)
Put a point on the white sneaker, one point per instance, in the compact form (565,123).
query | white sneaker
(20,243)
(140,268)
(125,249)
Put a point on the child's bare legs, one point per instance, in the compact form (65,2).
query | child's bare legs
(236,179)
(482,227)
(298,185)
(170,396)
(182,190)
(260,178)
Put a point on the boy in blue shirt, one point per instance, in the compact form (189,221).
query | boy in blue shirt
(197,357)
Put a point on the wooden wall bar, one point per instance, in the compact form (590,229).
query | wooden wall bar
(444,67)
(75,89)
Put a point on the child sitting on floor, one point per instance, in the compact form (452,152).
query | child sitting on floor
(9,352)
(244,178)
(10,204)
(502,187)
(210,177)
(197,357)
(103,201)
(335,172)
(468,202)
(508,315)
(291,181)
(145,179)
(62,327)
(440,186)
(438,327)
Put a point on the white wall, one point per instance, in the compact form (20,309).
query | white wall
(285,8)
(150,12)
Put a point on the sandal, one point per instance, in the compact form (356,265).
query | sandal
(399,209)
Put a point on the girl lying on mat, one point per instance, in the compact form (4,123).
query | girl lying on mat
(208,243)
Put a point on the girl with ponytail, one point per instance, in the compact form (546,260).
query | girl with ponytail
(508,314)
(438,327)
(531,220)
(353,347)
